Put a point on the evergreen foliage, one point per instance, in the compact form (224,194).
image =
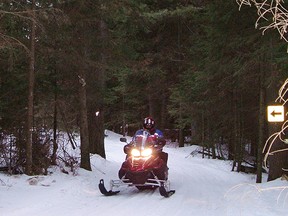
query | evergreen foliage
(193,65)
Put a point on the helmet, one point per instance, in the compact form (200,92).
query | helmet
(148,123)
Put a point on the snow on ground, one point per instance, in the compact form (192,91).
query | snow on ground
(204,187)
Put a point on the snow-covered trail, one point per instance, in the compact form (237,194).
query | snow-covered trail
(204,187)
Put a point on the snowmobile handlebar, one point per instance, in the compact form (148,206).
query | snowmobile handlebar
(123,139)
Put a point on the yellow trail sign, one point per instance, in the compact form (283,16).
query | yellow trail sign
(275,113)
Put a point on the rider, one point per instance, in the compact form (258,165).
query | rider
(149,126)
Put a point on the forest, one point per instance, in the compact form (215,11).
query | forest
(200,68)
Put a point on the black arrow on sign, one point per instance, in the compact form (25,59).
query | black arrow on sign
(276,113)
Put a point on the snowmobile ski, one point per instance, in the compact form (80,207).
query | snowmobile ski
(104,191)
(164,192)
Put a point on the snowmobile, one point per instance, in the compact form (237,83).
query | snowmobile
(143,168)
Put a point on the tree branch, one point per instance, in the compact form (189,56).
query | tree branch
(272,11)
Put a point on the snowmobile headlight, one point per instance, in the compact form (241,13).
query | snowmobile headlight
(135,152)
(146,152)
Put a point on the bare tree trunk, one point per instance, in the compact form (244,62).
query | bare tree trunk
(31,81)
(100,134)
(203,133)
(231,137)
(162,123)
(261,139)
(236,133)
(55,125)
(181,129)
(211,141)
(96,111)
(181,137)
(92,127)
(84,135)
(100,118)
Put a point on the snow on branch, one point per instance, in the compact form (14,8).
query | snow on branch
(272,11)
(282,98)
(282,92)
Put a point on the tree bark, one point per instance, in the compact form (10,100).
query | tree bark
(96,106)
(55,125)
(84,135)
(31,78)
(261,134)
(277,161)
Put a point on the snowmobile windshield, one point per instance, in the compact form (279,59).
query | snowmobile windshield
(142,140)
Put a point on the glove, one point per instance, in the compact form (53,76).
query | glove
(152,139)
(127,148)
(162,142)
